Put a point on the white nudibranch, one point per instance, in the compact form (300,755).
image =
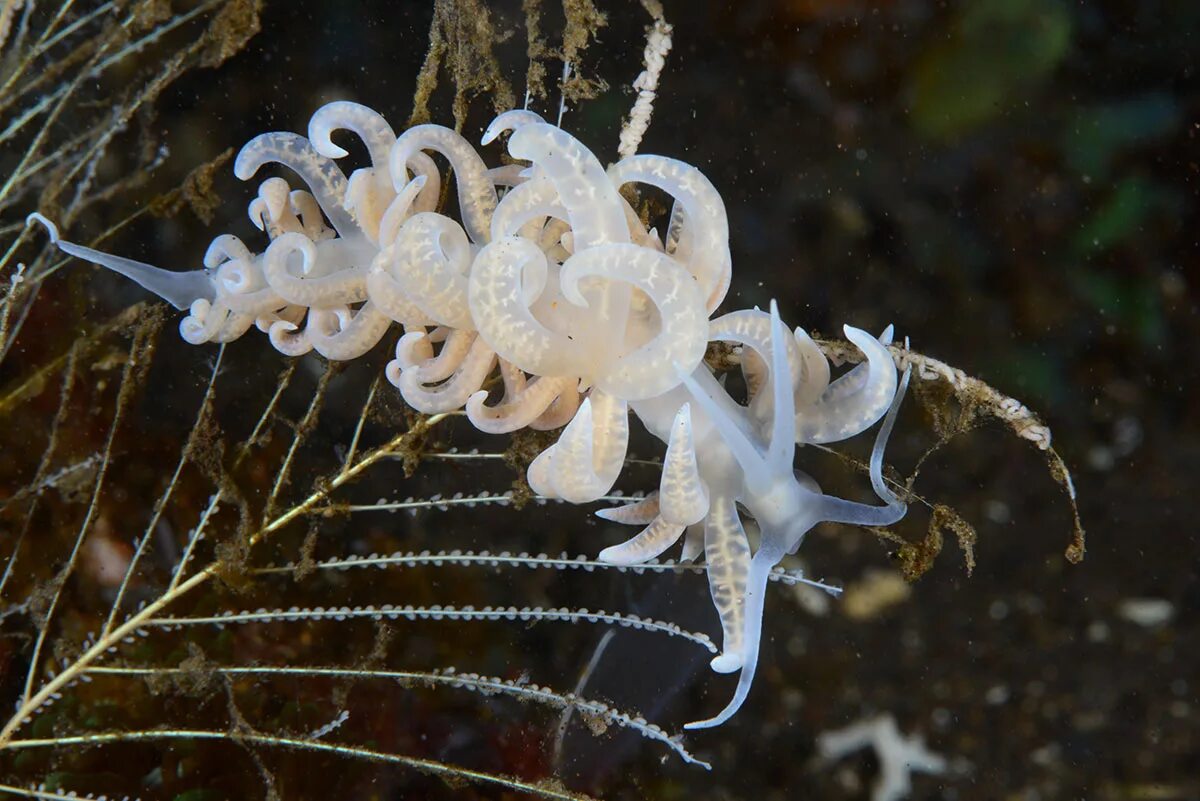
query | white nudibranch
(549,277)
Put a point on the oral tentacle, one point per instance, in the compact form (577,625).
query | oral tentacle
(180,289)
(837,510)
(756,588)
(746,452)
(782,445)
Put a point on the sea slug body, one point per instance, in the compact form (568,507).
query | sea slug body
(548,277)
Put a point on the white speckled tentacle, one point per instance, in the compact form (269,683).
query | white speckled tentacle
(325,180)
(431,259)
(514,379)
(518,409)
(240,282)
(510,121)
(533,200)
(385,292)
(476,193)
(203,322)
(751,328)
(256,304)
(838,510)
(592,202)
(412,347)
(831,420)
(235,325)
(270,211)
(450,394)
(706,234)
(815,376)
(638,513)
(366,123)
(682,495)
(500,309)
(368,196)
(856,378)
(596,214)
(423,166)
(225,248)
(291,313)
(680,343)
(560,411)
(240,277)
(649,543)
(553,232)
(422,349)
(401,207)
(508,175)
(727,552)
(288,338)
(344,334)
(346,285)
(588,456)
(308,212)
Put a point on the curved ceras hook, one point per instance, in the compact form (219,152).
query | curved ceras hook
(370,190)
(585,462)
(324,178)
(594,209)
(476,192)
(681,501)
(703,245)
(825,412)
(784,508)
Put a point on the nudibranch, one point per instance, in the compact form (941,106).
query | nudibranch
(548,277)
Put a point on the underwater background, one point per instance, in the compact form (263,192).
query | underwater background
(1012,183)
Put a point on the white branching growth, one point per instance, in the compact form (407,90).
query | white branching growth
(899,756)
(658,45)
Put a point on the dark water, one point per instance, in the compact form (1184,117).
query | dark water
(1013,184)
